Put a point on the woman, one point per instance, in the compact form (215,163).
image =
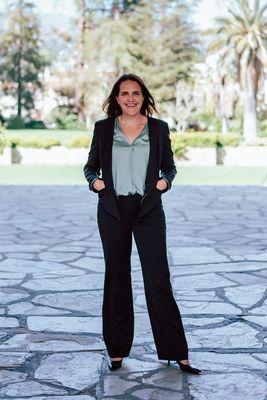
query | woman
(130,147)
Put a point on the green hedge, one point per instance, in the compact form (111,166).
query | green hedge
(180,142)
(16,123)
(32,141)
(79,141)
(203,139)
(2,143)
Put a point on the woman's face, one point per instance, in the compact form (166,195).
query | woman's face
(130,97)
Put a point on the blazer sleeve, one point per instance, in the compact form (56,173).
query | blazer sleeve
(91,169)
(168,167)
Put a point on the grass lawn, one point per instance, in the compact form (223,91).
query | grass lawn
(187,175)
(221,175)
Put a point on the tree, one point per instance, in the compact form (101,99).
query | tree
(21,60)
(151,38)
(163,46)
(225,98)
(101,48)
(241,39)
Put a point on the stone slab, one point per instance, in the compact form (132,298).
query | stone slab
(78,370)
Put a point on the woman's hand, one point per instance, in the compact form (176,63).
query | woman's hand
(98,184)
(161,184)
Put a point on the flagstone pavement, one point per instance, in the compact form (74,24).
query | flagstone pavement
(51,287)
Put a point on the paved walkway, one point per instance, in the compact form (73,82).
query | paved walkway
(51,286)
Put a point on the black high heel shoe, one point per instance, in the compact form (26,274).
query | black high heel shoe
(186,368)
(115,364)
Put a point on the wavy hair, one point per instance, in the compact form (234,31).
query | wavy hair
(113,109)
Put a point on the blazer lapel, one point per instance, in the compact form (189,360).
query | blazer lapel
(153,154)
(107,141)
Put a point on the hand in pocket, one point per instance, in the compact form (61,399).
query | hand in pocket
(99,184)
(161,184)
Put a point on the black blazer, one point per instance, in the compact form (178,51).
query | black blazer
(160,159)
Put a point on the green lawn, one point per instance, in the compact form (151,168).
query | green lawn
(221,175)
(187,175)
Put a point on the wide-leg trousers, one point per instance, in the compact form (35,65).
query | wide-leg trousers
(117,308)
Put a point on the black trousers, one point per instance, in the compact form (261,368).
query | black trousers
(117,309)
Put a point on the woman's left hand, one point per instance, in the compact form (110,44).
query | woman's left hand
(161,184)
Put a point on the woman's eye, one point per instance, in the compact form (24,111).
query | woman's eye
(134,94)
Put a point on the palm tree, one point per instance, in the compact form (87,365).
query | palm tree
(241,38)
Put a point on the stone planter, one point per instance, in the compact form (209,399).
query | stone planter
(252,156)
(57,155)
(199,156)
(6,156)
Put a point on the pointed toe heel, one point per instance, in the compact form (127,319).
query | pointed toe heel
(115,364)
(186,368)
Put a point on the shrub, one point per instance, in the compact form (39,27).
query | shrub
(180,142)
(208,121)
(63,117)
(32,141)
(33,124)
(2,121)
(263,128)
(79,141)
(2,138)
(15,123)
(2,128)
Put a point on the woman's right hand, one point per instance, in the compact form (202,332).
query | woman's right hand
(98,184)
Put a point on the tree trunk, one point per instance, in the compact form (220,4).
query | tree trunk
(250,107)
(19,77)
(116,10)
(19,90)
(224,124)
(80,81)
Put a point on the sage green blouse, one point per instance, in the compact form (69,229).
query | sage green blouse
(129,161)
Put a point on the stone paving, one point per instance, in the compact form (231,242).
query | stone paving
(51,286)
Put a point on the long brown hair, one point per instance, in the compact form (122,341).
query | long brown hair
(113,109)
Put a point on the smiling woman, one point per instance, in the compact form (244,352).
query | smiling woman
(130,147)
